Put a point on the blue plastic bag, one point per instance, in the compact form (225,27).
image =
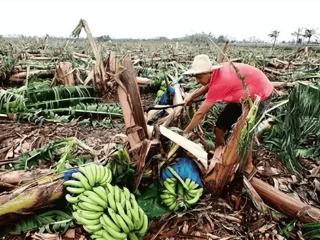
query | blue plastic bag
(67,175)
(167,97)
(186,168)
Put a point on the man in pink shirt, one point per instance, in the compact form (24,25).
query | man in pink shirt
(222,84)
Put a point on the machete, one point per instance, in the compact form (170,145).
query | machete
(159,107)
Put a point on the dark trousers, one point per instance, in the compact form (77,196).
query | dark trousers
(229,116)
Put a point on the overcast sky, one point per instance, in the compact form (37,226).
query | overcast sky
(152,18)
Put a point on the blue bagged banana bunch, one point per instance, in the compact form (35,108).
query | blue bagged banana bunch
(185,168)
(182,185)
(167,96)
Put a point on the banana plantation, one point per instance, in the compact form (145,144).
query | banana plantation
(92,143)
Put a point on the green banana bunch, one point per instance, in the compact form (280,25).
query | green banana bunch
(108,212)
(169,196)
(177,194)
(120,162)
(123,215)
(193,193)
(88,177)
(163,89)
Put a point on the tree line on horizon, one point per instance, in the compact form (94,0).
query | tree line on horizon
(300,35)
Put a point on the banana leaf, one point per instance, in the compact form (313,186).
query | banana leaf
(40,102)
(51,221)
(296,133)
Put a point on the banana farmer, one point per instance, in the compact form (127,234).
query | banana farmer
(222,84)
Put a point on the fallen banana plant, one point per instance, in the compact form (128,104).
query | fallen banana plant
(296,132)
(99,76)
(10,179)
(37,194)
(40,102)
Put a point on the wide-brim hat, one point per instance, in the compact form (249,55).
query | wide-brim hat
(201,64)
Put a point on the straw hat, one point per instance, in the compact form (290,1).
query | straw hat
(201,64)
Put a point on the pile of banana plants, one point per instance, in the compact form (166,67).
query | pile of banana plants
(39,101)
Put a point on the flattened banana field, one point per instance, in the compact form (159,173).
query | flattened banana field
(92,141)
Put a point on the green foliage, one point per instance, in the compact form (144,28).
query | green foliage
(11,101)
(150,201)
(202,38)
(7,63)
(61,150)
(288,228)
(45,153)
(103,38)
(39,117)
(246,134)
(311,230)
(297,133)
(54,221)
(121,168)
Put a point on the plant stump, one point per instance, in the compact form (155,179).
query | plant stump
(65,75)
(225,161)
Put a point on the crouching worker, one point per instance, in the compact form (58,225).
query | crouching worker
(222,84)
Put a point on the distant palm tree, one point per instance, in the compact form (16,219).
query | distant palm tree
(274,35)
(308,33)
(297,34)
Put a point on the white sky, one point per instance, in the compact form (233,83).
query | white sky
(152,18)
